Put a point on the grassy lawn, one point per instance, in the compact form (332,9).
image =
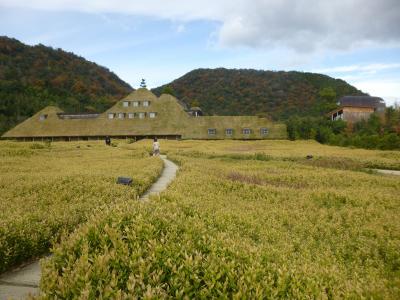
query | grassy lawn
(289,150)
(243,220)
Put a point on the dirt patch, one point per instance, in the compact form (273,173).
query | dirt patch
(254,179)
(251,179)
(333,163)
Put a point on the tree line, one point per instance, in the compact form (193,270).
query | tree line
(379,131)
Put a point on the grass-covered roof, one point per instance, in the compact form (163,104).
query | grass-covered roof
(170,119)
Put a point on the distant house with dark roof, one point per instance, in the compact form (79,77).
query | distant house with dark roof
(356,108)
(142,114)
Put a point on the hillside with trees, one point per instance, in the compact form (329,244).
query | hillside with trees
(32,77)
(278,95)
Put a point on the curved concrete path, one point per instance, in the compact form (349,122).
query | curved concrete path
(388,172)
(168,174)
(20,282)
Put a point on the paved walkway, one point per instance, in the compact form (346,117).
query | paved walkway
(19,283)
(390,172)
(168,174)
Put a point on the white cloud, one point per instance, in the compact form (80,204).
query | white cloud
(366,69)
(388,89)
(302,25)
(370,79)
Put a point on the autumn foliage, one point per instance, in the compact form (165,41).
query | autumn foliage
(34,77)
(254,92)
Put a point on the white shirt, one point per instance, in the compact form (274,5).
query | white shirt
(156,146)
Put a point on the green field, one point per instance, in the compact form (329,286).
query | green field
(243,219)
(48,189)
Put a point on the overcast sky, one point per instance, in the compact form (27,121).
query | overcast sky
(356,40)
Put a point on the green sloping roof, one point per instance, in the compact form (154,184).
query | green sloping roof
(33,125)
(171,119)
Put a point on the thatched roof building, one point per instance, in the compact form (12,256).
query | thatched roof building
(143,114)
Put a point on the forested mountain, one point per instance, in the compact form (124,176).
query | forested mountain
(32,77)
(252,92)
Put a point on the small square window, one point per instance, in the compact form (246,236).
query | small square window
(121,115)
(131,115)
(229,131)
(146,103)
(111,116)
(152,115)
(246,131)
(125,104)
(264,131)
(42,117)
(212,131)
(135,103)
(141,115)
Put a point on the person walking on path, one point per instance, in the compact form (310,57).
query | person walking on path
(156,147)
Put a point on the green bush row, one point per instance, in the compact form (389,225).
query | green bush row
(239,230)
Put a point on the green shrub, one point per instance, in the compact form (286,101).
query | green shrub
(38,202)
(239,230)
(47,143)
(37,146)
(389,142)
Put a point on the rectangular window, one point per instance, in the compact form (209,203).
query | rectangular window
(141,115)
(125,103)
(135,103)
(264,131)
(146,103)
(42,117)
(212,131)
(131,115)
(246,131)
(121,115)
(152,115)
(229,131)
(111,116)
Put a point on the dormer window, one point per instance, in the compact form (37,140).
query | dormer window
(42,117)
(131,115)
(135,103)
(246,131)
(212,131)
(121,115)
(111,116)
(141,115)
(152,115)
(264,131)
(125,104)
(146,103)
(229,131)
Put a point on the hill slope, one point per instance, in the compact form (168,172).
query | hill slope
(32,77)
(249,92)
